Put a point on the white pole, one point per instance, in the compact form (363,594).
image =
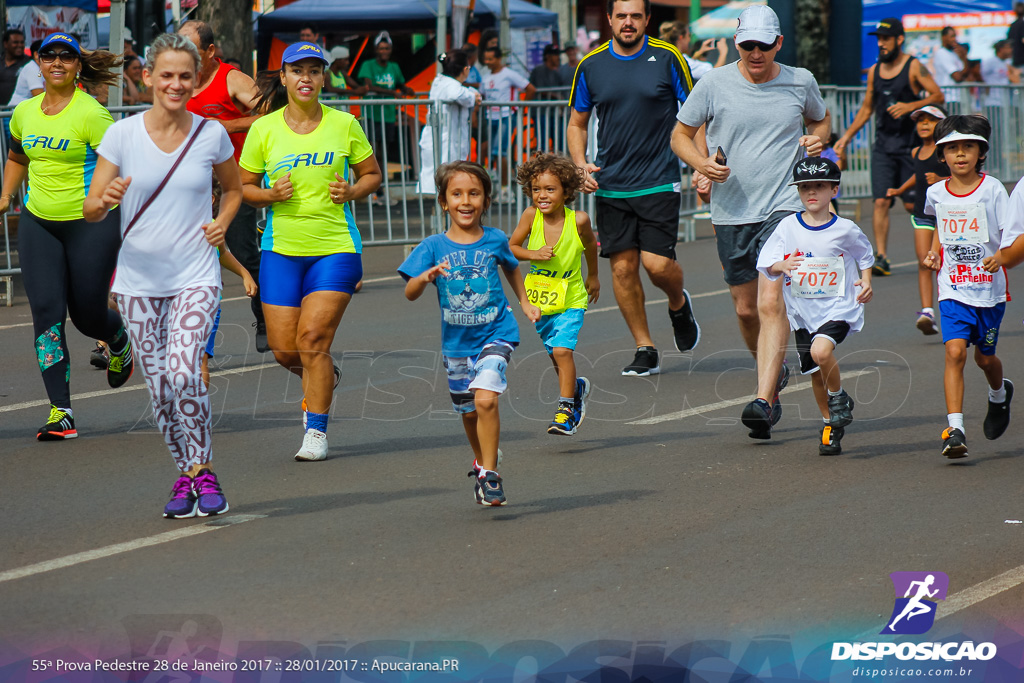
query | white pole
(176,14)
(442,26)
(505,31)
(115,92)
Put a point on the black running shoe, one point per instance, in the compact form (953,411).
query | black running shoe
(840,409)
(757,416)
(489,490)
(830,437)
(337,375)
(645,363)
(98,357)
(685,329)
(882,266)
(120,366)
(998,417)
(261,336)
(59,426)
(954,443)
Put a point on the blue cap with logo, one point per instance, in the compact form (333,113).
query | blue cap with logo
(55,39)
(299,51)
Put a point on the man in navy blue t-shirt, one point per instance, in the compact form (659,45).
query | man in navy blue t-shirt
(635,84)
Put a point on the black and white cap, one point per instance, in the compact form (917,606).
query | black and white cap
(816,169)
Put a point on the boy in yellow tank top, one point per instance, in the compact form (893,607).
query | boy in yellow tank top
(555,237)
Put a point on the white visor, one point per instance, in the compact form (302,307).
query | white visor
(957,137)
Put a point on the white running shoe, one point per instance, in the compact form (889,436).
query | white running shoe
(314,446)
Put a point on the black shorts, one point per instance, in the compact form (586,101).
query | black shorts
(739,245)
(835,330)
(649,223)
(890,170)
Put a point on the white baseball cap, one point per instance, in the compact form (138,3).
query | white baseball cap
(760,23)
(339,52)
(957,136)
(930,110)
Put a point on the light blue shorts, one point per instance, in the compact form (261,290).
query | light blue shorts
(484,371)
(560,330)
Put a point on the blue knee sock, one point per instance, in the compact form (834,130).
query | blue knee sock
(317,421)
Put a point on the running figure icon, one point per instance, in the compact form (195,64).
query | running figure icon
(915,606)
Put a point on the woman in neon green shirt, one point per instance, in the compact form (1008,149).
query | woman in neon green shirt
(307,163)
(65,263)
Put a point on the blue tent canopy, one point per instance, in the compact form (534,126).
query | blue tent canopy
(355,16)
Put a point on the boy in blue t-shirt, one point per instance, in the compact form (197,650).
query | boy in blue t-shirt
(478,330)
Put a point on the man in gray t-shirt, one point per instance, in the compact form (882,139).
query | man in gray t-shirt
(756,111)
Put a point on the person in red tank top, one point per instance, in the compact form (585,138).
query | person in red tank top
(226,94)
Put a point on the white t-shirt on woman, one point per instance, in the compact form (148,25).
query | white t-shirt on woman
(166,251)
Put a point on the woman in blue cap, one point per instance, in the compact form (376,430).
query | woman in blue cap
(66,265)
(315,161)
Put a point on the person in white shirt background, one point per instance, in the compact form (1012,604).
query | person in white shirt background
(678,33)
(459,100)
(30,78)
(949,64)
(502,84)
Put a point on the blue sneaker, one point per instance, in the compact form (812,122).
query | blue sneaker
(579,400)
(183,500)
(564,423)
(211,498)
(489,490)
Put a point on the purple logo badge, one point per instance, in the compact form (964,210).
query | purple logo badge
(916,596)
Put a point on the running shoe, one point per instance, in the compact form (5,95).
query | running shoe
(120,366)
(881,266)
(579,399)
(59,426)
(488,490)
(98,357)
(998,417)
(840,409)
(505,196)
(645,363)
(926,323)
(954,443)
(780,384)
(261,336)
(314,446)
(757,417)
(564,423)
(183,500)
(830,437)
(685,330)
(211,497)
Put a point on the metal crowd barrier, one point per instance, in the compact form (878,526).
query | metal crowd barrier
(502,135)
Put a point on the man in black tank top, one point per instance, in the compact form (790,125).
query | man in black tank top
(893,92)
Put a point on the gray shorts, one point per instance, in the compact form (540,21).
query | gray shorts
(739,245)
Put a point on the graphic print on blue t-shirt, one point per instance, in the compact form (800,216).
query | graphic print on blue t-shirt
(474,310)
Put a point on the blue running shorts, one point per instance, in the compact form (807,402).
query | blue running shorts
(560,330)
(286,280)
(213,333)
(485,371)
(979,326)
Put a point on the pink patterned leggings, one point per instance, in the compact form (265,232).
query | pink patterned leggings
(169,335)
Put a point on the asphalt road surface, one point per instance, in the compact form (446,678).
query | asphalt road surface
(659,521)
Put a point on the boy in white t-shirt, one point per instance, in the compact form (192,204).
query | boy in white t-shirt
(502,84)
(972,226)
(820,255)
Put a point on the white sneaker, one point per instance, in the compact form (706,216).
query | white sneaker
(505,196)
(314,446)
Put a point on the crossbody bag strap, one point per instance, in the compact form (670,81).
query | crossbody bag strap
(167,177)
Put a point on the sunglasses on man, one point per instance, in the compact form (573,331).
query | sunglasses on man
(64,56)
(750,45)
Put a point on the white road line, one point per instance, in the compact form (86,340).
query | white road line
(700,410)
(11,327)
(127,546)
(134,387)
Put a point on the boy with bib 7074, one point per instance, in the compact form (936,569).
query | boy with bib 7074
(553,237)
(973,225)
(820,254)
